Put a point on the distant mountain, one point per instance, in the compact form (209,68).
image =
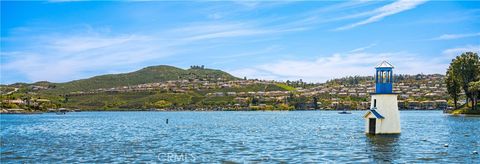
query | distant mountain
(150,74)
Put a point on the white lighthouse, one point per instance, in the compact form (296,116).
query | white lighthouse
(383,116)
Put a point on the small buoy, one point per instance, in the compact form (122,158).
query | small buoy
(446,145)
(474,152)
(166,121)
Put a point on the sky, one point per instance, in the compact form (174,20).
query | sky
(315,41)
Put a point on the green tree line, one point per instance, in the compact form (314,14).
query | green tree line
(463,74)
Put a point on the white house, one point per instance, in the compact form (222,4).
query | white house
(383,116)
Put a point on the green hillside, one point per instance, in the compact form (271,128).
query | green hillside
(146,75)
(149,99)
(194,92)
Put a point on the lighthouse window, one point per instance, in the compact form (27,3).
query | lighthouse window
(385,76)
(388,77)
(374,103)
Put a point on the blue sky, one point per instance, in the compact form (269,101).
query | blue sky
(60,41)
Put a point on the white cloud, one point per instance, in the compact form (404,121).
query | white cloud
(251,5)
(453,52)
(341,65)
(266,50)
(59,1)
(208,31)
(85,43)
(64,57)
(60,57)
(356,62)
(248,4)
(363,48)
(384,11)
(343,6)
(215,15)
(253,73)
(455,36)
(59,67)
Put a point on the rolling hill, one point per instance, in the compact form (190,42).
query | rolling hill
(150,74)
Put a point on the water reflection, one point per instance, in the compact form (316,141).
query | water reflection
(383,148)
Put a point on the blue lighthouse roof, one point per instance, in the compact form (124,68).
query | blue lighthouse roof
(375,113)
(384,64)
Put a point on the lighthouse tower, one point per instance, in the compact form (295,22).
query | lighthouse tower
(383,116)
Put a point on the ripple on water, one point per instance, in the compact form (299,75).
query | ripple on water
(235,137)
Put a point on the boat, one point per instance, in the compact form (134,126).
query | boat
(61,111)
(344,112)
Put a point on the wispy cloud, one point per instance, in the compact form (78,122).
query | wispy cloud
(452,52)
(234,33)
(212,31)
(60,1)
(85,43)
(384,11)
(60,57)
(248,4)
(340,65)
(237,36)
(259,4)
(343,6)
(363,48)
(266,50)
(455,36)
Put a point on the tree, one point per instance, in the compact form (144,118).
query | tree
(453,86)
(474,87)
(466,69)
(315,102)
(254,101)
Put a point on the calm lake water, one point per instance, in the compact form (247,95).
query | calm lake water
(300,136)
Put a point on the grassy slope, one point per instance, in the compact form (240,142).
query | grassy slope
(145,75)
(466,110)
(285,87)
(131,100)
(135,100)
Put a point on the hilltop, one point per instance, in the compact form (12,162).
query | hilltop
(152,74)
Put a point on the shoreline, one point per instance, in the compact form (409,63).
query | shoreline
(464,112)
(42,112)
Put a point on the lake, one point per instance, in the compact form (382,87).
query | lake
(294,136)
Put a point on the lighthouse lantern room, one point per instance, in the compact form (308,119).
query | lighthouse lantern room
(383,116)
